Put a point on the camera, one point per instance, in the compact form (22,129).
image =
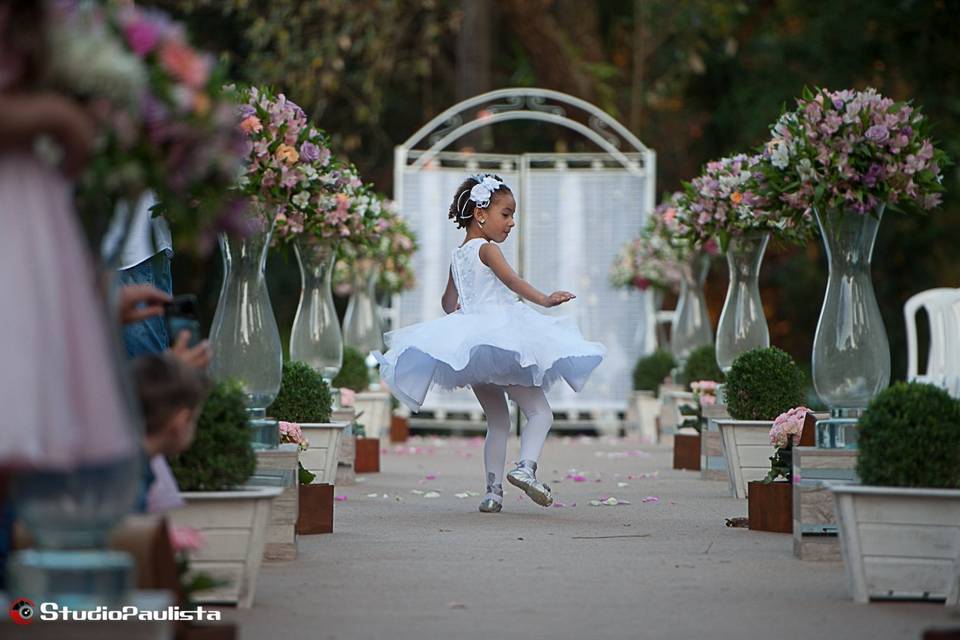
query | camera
(182,314)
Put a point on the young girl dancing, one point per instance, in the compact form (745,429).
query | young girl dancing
(491,341)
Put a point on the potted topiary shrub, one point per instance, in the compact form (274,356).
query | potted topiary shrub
(899,528)
(232,516)
(304,399)
(701,365)
(761,385)
(648,375)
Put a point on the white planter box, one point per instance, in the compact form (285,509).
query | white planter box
(321,457)
(670,402)
(281,534)
(375,407)
(898,542)
(234,524)
(642,412)
(747,449)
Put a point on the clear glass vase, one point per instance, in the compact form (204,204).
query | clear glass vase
(244,336)
(362,328)
(851,354)
(691,321)
(316,338)
(743,325)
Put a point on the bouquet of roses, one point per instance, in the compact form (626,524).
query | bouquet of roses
(784,435)
(725,202)
(851,151)
(163,120)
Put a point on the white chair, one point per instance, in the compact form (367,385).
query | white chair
(943,358)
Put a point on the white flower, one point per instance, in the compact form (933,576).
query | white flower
(301,199)
(780,156)
(308,171)
(805,169)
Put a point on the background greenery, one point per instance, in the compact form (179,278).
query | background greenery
(694,79)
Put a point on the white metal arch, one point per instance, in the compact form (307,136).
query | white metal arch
(516,97)
(622,170)
(550,118)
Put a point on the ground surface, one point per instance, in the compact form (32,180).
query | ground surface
(662,567)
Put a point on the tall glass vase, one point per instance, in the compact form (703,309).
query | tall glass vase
(691,322)
(244,336)
(362,328)
(316,338)
(743,325)
(851,354)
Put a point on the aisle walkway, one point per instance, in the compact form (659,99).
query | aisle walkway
(422,563)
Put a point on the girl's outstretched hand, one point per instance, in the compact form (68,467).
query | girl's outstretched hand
(558,297)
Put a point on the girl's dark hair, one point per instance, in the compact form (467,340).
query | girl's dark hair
(24,34)
(164,386)
(462,208)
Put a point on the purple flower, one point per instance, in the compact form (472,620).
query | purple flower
(878,133)
(874,173)
(309,152)
(246,111)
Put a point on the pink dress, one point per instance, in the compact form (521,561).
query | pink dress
(61,403)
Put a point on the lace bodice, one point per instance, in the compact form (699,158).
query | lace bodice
(477,285)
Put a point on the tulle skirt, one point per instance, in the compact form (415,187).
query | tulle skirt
(500,344)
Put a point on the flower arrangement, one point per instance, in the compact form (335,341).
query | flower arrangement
(291,433)
(784,435)
(163,121)
(851,151)
(725,202)
(289,170)
(705,391)
(187,540)
(652,259)
(388,252)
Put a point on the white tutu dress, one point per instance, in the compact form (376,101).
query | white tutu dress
(493,338)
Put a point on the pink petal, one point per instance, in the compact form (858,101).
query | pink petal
(340,498)
(651,499)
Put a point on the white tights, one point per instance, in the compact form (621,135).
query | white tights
(533,404)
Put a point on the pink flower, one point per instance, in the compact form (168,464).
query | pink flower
(185,538)
(142,36)
(184,63)
(251,124)
(291,432)
(347,397)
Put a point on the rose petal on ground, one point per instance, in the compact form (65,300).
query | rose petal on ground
(621,485)
(461,495)
(595,503)
(373,495)
(431,494)
(340,498)
(416,492)
(650,499)
(431,476)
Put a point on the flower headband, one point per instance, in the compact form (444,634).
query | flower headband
(481,193)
